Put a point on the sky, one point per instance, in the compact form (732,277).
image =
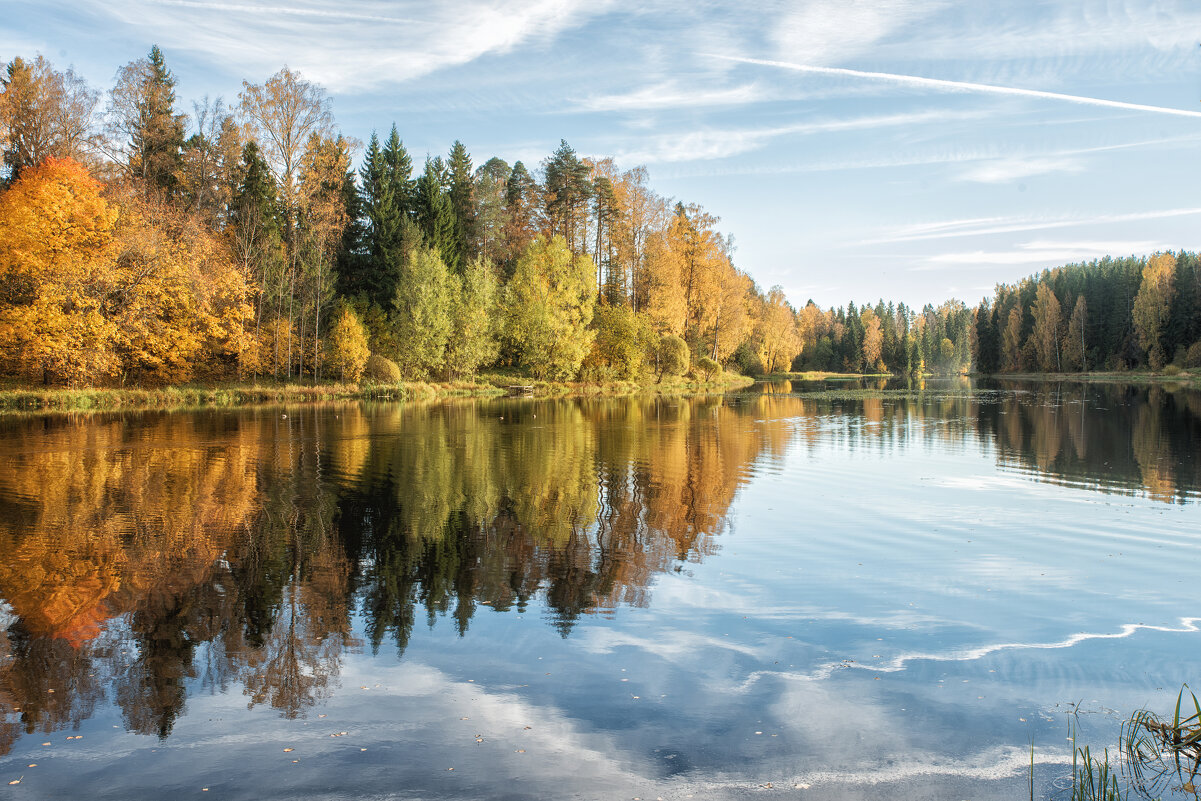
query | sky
(856,150)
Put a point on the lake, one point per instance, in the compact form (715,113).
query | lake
(837,591)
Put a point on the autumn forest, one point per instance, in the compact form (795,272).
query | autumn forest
(144,246)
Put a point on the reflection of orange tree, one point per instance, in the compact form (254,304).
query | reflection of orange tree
(164,520)
(227,544)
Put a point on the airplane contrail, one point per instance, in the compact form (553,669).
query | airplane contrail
(965,86)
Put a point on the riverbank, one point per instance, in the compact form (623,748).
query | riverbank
(819,375)
(1191,377)
(33,399)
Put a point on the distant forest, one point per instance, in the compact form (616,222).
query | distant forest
(142,245)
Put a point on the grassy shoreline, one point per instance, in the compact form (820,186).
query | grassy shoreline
(50,399)
(1105,377)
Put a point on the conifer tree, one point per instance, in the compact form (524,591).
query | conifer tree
(491,183)
(521,207)
(435,216)
(142,114)
(567,191)
(463,202)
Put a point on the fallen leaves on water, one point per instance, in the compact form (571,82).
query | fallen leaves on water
(15,781)
(288,750)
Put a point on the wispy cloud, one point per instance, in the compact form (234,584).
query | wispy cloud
(1044,252)
(715,144)
(999,171)
(963,86)
(671,94)
(827,31)
(1007,225)
(357,45)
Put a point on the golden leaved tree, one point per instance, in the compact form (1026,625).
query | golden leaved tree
(57,250)
(92,289)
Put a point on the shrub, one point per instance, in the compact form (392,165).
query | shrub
(1193,359)
(671,356)
(708,367)
(379,370)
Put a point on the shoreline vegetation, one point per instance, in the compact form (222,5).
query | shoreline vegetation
(57,399)
(249,393)
(202,253)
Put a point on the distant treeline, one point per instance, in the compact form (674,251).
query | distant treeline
(1107,314)
(1114,313)
(141,245)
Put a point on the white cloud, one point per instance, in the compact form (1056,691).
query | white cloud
(1046,252)
(670,94)
(1008,225)
(715,144)
(944,85)
(828,31)
(357,45)
(999,171)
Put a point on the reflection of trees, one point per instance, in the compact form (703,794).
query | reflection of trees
(1109,437)
(149,555)
(165,526)
(144,556)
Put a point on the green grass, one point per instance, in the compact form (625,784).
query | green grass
(1161,753)
(1141,376)
(15,398)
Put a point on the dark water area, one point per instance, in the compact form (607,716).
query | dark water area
(841,590)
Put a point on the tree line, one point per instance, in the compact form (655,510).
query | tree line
(143,245)
(1111,314)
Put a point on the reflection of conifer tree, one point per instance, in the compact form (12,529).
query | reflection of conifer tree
(152,694)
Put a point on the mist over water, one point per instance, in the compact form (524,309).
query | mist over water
(841,592)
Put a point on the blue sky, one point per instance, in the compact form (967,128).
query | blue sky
(800,123)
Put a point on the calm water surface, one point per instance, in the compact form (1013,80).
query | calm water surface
(838,595)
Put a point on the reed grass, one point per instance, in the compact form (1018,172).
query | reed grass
(1161,754)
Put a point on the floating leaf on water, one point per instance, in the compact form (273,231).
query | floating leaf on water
(288,750)
(321,716)
(15,781)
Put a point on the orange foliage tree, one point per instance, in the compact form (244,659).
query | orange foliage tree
(92,288)
(56,253)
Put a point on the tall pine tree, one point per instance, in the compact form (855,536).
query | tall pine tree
(462,202)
